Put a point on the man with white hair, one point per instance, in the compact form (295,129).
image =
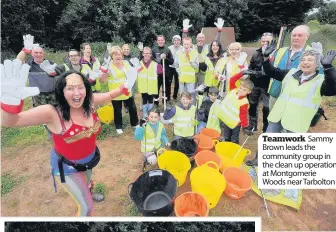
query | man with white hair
(175,48)
(288,57)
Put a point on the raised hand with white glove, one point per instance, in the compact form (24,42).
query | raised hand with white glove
(13,80)
(186,25)
(219,24)
(318,47)
(28,42)
(48,68)
(104,66)
(140,46)
(242,59)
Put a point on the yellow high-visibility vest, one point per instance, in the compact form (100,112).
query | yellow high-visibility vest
(184,121)
(147,79)
(117,77)
(187,72)
(297,103)
(152,140)
(86,69)
(229,109)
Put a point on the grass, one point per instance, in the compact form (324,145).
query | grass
(8,182)
(100,188)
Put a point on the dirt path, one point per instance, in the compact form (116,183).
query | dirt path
(121,164)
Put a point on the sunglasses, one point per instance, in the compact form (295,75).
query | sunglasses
(267,34)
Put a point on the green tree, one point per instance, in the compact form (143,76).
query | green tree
(327,13)
(268,16)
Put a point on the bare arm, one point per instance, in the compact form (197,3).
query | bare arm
(103,98)
(44,114)
(22,56)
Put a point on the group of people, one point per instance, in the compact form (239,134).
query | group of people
(217,90)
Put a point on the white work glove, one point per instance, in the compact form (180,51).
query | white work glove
(131,76)
(242,58)
(318,47)
(48,68)
(104,66)
(186,25)
(135,62)
(28,42)
(200,88)
(109,47)
(140,46)
(94,75)
(219,24)
(13,81)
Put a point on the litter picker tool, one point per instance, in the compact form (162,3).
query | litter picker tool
(164,84)
(262,194)
(241,147)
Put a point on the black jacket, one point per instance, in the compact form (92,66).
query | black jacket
(261,81)
(203,112)
(157,51)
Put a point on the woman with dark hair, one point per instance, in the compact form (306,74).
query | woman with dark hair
(71,120)
(209,64)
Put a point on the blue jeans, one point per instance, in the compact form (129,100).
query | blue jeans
(200,126)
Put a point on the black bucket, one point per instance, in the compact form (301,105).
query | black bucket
(317,117)
(187,146)
(153,193)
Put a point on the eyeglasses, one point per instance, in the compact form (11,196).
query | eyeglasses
(267,34)
(71,56)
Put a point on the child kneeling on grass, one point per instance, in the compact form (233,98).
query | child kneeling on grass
(152,134)
(233,110)
(183,117)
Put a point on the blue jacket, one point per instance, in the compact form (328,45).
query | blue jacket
(139,133)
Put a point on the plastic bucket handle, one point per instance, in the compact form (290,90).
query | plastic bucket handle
(160,151)
(212,162)
(198,141)
(248,152)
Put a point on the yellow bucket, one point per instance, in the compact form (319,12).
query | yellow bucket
(228,153)
(175,162)
(209,182)
(106,114)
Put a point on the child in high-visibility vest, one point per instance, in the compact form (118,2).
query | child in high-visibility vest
(183,117)
(233,110)
(152,135)
(203,111)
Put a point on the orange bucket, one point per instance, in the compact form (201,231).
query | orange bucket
(205,142)
(238,183)
(212,133)
(203,157)
(191,204)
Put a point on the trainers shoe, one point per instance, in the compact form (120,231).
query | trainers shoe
(97,197)
(119,131)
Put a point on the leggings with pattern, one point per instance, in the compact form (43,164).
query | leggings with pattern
(77,185)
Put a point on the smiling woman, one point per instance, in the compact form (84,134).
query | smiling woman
(72,122)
